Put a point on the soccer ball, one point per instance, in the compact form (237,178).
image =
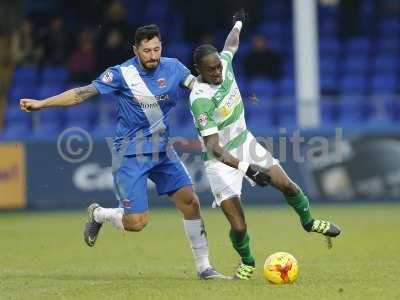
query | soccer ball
(280,268)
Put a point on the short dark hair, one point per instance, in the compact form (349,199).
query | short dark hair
(147,32)
(202,51)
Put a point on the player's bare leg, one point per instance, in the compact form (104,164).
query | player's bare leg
(188,204)
(239,237)
(115,216)
(299,202)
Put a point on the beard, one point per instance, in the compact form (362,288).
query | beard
(151,65)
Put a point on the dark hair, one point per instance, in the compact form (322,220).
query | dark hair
(202,51)
(147,32)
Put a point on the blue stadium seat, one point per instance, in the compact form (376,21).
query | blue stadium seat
(182,51)
(49,122)
(257,116)
(283,114)
(243,86)
(84,114)
(386,62)
(14,116)
(16,132)
(48,90)
(134,10)
(330,111)
(389,27)
(103,130)
(47,130)
(288,67)
(355,64)
(328,65)
(357,45)
(329,45)
(350,110)
(176,27)
(25,74)
(57,75)
(392,107)
(155,12)
(328,27)
(352,84)
(271,30)
(275,10)
(54,115)
(329,84)
(384,84)
(22,90)
(262,88)
(287,86)
(277,45)
(326,10)
(388,46)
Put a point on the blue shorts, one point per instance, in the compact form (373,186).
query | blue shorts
(130,179)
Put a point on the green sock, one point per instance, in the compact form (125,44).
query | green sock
(242,247)
(301,205)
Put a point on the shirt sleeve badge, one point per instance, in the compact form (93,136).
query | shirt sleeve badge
(108,77)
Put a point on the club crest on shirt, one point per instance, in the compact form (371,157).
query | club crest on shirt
(203,119)
(126,203)
(108,77)
(162,83)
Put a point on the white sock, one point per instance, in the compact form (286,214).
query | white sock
(196,235)
(109,215)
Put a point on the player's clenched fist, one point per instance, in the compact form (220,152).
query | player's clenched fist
(256,174)
(240,15)
(29,105)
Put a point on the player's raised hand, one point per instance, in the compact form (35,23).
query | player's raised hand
(256,174)
(240,15)
(29,105)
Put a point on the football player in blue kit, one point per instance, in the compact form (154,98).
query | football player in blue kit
(146,87)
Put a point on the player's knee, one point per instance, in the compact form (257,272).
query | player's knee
(239,230)
(139,226)
(135,224)
(191,201)
(194,202)
(289,188)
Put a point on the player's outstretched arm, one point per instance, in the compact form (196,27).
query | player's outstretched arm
(67,98)
(214,148)
(232,41)
(254,172)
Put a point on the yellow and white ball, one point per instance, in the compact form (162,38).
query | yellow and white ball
(281,268)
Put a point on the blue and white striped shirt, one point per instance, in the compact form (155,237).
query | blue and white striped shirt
(145,99)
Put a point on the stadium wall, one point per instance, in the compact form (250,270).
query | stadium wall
(330,168)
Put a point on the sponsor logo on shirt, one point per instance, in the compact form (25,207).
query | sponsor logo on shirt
(151,101)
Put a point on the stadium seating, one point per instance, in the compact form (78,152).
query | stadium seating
(360,75)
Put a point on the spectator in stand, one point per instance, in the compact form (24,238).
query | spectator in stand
(82,63)
(56,42)
(24,47)
(349,18)
(113,52)
(206,38)
(262,61)
(114,21)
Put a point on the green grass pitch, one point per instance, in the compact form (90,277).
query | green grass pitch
(43,256)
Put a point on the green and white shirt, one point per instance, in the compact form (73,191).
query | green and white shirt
(219,108)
